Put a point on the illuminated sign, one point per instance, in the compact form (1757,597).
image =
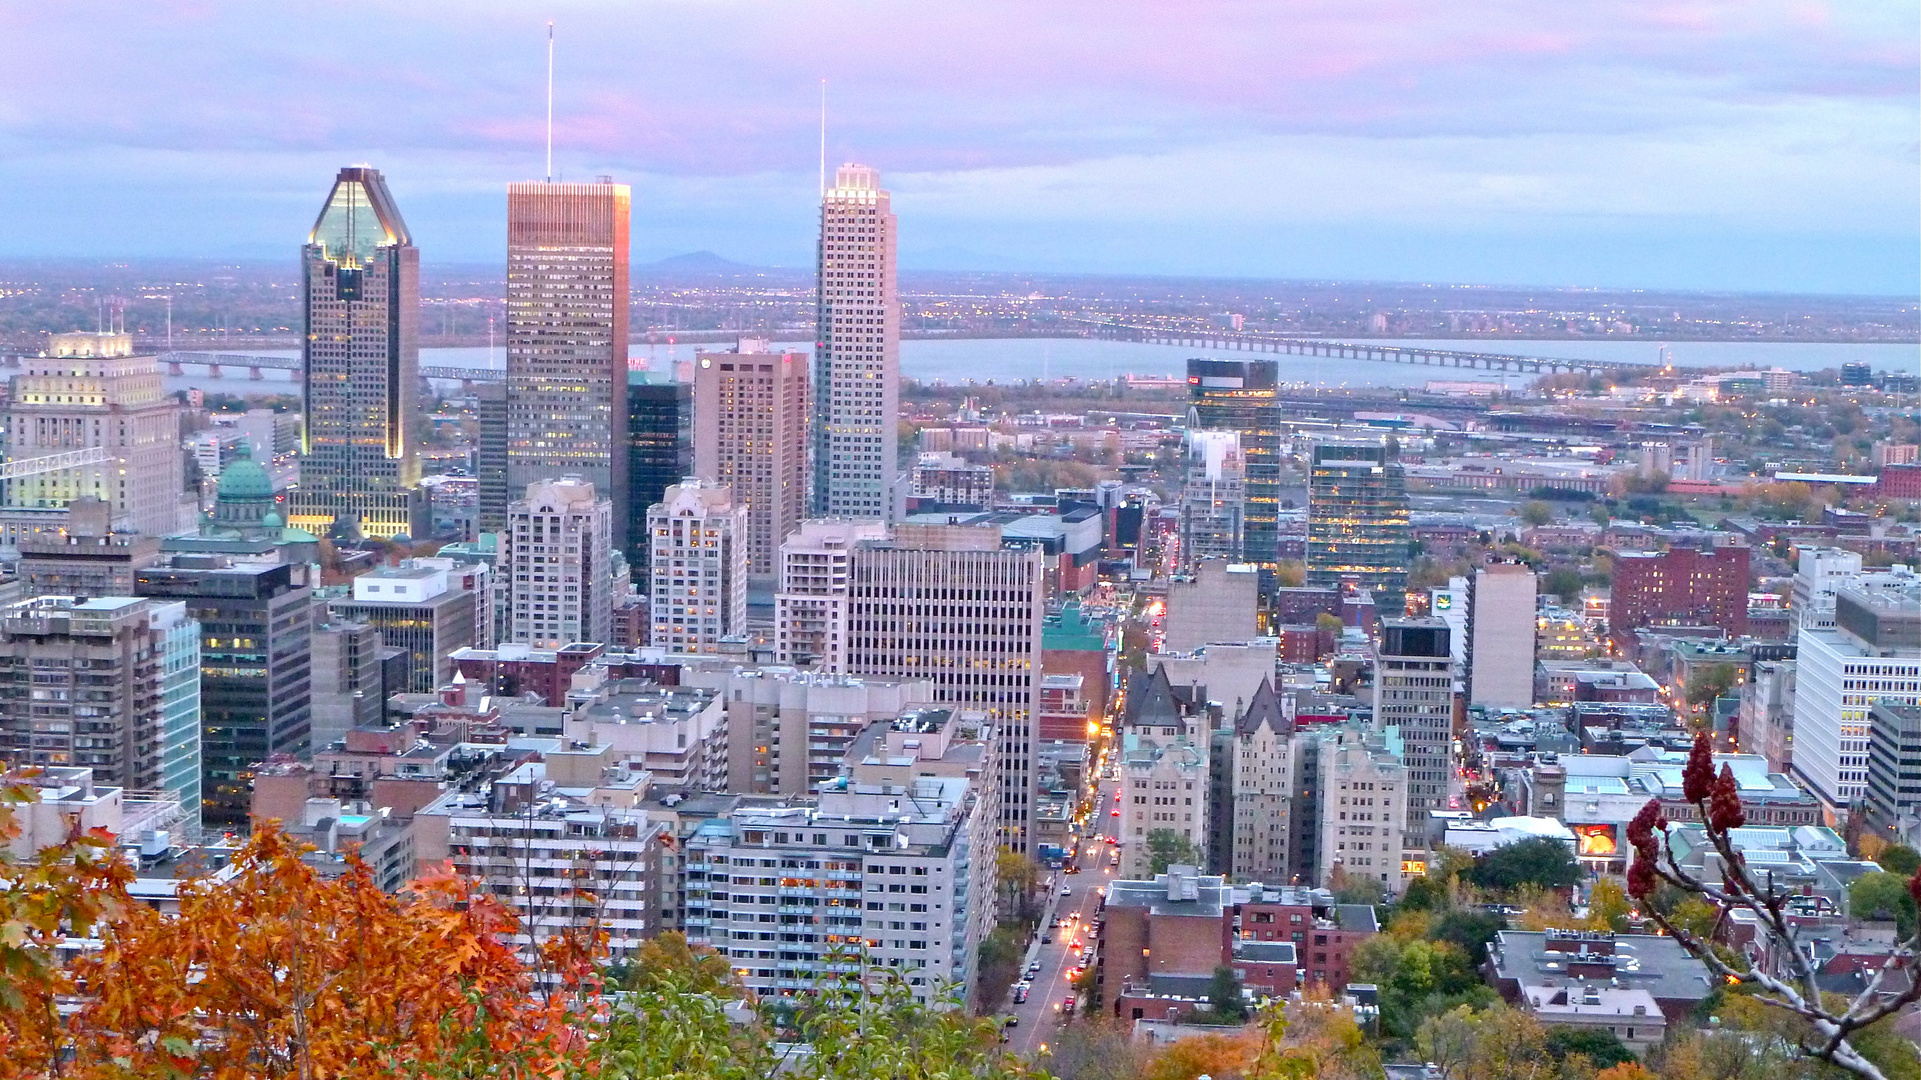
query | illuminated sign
(1596,841)
(1443,601)
(1414,867)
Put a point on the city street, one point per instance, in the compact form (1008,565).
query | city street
(1041,1015)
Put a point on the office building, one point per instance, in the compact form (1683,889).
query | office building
(697,584)
(490,458)
(1501,636)
(110,684)
(255,623)
(1680,586)
(1450,605)
(1217,601)
(1358,528)
(348,688)
(1818,573)
(856,352)
(788,731)
(559,575)
(751,410)
(92,392)
(1894,768)
(1364,811)
(952,604)
(85,559)
(1214,497)
(810,603)
(1872,655)
(567,258)
(660,449)
(360,284)
(1239,396)
(417,609)
(1414,679)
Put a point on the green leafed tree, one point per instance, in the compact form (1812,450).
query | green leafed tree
(1166,848)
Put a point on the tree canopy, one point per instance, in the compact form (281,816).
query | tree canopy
(1541,861)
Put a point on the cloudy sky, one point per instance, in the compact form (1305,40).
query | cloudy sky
(1745,144)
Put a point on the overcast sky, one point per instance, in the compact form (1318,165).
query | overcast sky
(1746,144)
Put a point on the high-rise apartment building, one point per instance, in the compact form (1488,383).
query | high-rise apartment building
(1262,770)
(360,291)
(1358,530)
(1164,764)
(256,629)
(559,575)
(751,411)
(1682,585)
(1414,694)
(490,458)
(1364,808)
(810,602)
(1238,396)
(111,684)
(1213,498)
(856,352)
(1500,636)
(1818,573)
(567,257)
(698,558)
(660,450)
(1872,655)
(952,604)
(91,391)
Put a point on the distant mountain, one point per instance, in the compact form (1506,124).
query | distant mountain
(698,263)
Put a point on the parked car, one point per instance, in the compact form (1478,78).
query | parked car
(1021,990)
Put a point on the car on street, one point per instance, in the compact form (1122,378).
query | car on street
(1116,812)
(1067,1009)
(1021,990)
(1012,1021)
(1067,890)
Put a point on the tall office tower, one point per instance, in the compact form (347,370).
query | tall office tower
(1238,395)
(660,449)
(698,558)
(751,410)
(951,603)
(810,603)
(1871,655)
(93,392)
(1500,636)
(1414,693)
(256,630)
(856,352)
(1214,497)
(567,338)
(111,684)
(1358,530)
(559,565)
(360,285)
(490,458)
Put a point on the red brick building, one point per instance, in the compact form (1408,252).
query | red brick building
(1680,585)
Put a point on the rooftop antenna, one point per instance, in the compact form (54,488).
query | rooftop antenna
(823,138)
(550,101)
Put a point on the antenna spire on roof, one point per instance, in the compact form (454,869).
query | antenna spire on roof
(550,101)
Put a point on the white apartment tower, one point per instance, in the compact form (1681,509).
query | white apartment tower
(751,410)
(1871,655)
(697,559)
(1163,769)
(1262,765)
(1500,636)
(1214,497)
(1364,807)
(1817,575)
(856,351)
(559,558)
(810,604)
(952,604)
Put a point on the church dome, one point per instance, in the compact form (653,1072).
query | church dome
(244,478)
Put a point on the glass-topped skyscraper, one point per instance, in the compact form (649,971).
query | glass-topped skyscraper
(361,295)
(1358,530)
(567,337)
(1238,396)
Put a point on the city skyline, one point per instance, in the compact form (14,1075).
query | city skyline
(1658,147)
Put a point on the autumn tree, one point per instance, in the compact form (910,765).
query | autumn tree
(1608,907)
(1831,1028)
(668,957)
(1165,848)
(1218,1056)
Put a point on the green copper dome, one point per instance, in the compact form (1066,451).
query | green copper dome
(244,478)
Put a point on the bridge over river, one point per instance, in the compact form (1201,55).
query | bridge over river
(1257,341)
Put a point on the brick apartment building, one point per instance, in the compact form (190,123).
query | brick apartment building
(1680,585)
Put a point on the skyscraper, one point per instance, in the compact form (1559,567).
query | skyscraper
(660,450)
(567,337)
(698,588)
(952,604)
(1500,635)
(750,434)
(1358,529)
(1238,395)
(361,293)
(490,458)
(1414,693)
(559,570)
(1214,498)
(856,351)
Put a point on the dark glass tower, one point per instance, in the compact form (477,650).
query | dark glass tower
(1238,395)
(490,458)
(1357,522)
(660,451)
(361,293)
